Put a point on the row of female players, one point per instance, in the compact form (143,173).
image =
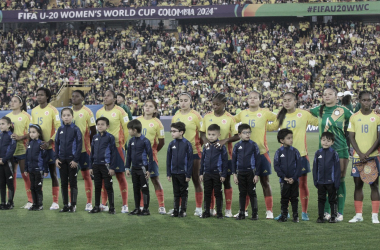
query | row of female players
(333,119)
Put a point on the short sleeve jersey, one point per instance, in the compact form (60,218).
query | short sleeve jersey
(84,119)
(21,125)
(153,130)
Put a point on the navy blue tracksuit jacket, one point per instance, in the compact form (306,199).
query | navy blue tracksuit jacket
(7,146)
(103,150)
(246,157)
(35,158)
(68,143)
(326,167)
(214,160)
(139,153)
(179,159)
(287,163)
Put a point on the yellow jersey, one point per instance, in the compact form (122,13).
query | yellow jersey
(227,125)
(258,121)
(297,122)
(84,119)
(118,124)
(365,128)
(49,121)
(192,121)
(21,126)
(153,130)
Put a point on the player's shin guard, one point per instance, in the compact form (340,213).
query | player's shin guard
(160,197)
(228,195)
(123,185)
(341,195)
(87,185)
(27,187)
(304,193)
(55,194)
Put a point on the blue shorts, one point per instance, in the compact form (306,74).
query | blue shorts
(355,172)
(17,158)
(120,160)
(154,172)
(305,164)
(266,164)
(196,157)
(84,161)
(50,159)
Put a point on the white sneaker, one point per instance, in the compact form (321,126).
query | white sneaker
(375,218)
(327,216)
(269,214)
(27,205)
(124,209)
(357,218)
(198,211)
(339,217)
(104,208)
(213,212)
(161,210)
(171,211)
(54,206)
(228,213)
(69,204)
(88,207)
(246,214)
(141,208)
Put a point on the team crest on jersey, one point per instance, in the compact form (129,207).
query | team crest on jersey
(113,114)
(299,115)
(47,113)
(151,125)
(353,170)
(190,118)
(372,119)
(224,121)
(259,115)
(20,119)
(336,112)
(80,115)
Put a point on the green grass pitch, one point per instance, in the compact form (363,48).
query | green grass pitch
(21,229)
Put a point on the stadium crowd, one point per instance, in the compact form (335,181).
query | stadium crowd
(143,63)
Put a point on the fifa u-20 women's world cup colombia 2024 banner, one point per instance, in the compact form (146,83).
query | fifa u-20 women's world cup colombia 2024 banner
(189,12)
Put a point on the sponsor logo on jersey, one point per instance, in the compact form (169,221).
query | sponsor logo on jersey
(85,164)
(61,132)
(259,115)
(96,139)
(151,125)
(224,121)
(240,147)
(210,120)
(178,119)
(282,155)
(174,147)
(320,157)
(359,120)
(246,115)
(265,171)
(303,169)
(299,115)
(132,143)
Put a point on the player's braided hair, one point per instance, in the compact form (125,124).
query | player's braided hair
(281,115)
(324,105)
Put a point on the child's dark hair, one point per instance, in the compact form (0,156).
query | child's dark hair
(47,93)
(242,127)
(103,119)
(282,134)
(213,127)
(79,92)
(135,124)
(364,92)
(328,135)
(346,100)
(121,95)
(23,106)
(39,130)
(9,121)
(220,97)
(281,115)
(69,109)
(180,126)
(324,105)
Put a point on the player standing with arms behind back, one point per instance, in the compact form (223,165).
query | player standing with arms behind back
(47,117)
(228,135)
(85,121)
(363,131)
(192,120)
(258,118)
(20,119)
(118,121)
(153,130)
(332,118)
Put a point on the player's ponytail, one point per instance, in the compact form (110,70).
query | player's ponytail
(321,110)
